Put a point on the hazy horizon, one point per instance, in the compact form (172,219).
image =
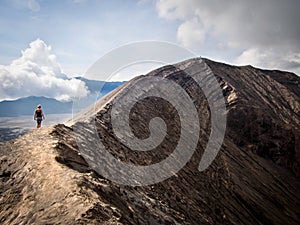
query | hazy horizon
(13,127)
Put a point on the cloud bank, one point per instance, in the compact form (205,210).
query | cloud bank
(264,33)
(37,73)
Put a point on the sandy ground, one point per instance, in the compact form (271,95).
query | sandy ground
(49,186)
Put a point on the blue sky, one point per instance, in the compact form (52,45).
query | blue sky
(261,33)
(79,31)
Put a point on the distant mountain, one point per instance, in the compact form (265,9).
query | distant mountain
(26,106)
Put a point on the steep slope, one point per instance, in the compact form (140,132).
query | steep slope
(265,118)
(253,180)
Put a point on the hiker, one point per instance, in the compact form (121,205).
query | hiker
(38,116)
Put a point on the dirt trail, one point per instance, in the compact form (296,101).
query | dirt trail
(49,185)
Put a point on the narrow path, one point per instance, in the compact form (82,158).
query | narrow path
(40,184)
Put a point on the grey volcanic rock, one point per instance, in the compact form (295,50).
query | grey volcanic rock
(265,117)
(253,180)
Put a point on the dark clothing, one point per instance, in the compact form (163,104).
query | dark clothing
(38,113)
(38,116)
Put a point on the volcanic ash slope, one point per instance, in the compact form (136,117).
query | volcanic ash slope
(253,180)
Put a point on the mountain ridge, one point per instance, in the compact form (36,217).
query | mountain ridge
(253,180)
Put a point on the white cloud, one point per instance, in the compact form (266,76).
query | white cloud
(270,59)
(244,26)
(176,9)
(196,33)
(37,73)
(243,22)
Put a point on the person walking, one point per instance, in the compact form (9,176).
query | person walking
(38,116)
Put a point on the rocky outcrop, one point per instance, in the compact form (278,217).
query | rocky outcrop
(266,116)
(253,180)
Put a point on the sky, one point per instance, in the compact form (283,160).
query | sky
(44,44)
